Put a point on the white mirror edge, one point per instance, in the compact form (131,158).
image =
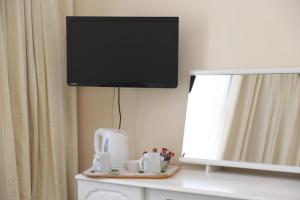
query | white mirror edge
(236,164)
(242,165)
(266,70)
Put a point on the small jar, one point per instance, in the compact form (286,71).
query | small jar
(164,164)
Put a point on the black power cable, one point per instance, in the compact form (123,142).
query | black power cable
(119,106)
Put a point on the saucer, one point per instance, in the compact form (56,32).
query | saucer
(113,172)
(143,172)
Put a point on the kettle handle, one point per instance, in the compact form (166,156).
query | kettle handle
(98,141)
(106,145)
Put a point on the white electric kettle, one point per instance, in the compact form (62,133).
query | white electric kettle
(115,142)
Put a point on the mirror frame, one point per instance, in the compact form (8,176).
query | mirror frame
(238,164)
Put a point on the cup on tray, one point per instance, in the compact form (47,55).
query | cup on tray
(133,165)
(101,162)
(150,163)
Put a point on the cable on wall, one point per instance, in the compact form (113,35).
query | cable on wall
(112,108)
(119,106)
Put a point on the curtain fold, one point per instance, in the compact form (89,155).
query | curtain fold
(263,125)
(38,116)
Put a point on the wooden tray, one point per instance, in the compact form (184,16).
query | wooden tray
(170,171)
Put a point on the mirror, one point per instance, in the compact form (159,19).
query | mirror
(252,118)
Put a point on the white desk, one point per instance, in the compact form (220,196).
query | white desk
(192,184)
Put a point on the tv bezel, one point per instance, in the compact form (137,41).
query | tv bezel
(100,83)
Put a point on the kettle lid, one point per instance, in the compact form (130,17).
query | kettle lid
(113,130)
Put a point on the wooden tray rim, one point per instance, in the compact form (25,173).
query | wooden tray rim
(132,176)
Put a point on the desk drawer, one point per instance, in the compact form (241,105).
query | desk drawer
(92,190)
(153,194)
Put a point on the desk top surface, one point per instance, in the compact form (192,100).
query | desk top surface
(221,183)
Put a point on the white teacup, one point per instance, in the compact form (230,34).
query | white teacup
(150,162)
(132,165)
(102,163)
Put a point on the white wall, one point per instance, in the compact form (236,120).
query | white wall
(213,34)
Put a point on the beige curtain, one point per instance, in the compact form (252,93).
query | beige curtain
(263,123)
(38,131)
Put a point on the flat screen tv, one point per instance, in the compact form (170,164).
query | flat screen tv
(122,51)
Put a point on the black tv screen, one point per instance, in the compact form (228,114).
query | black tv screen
(122,51)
